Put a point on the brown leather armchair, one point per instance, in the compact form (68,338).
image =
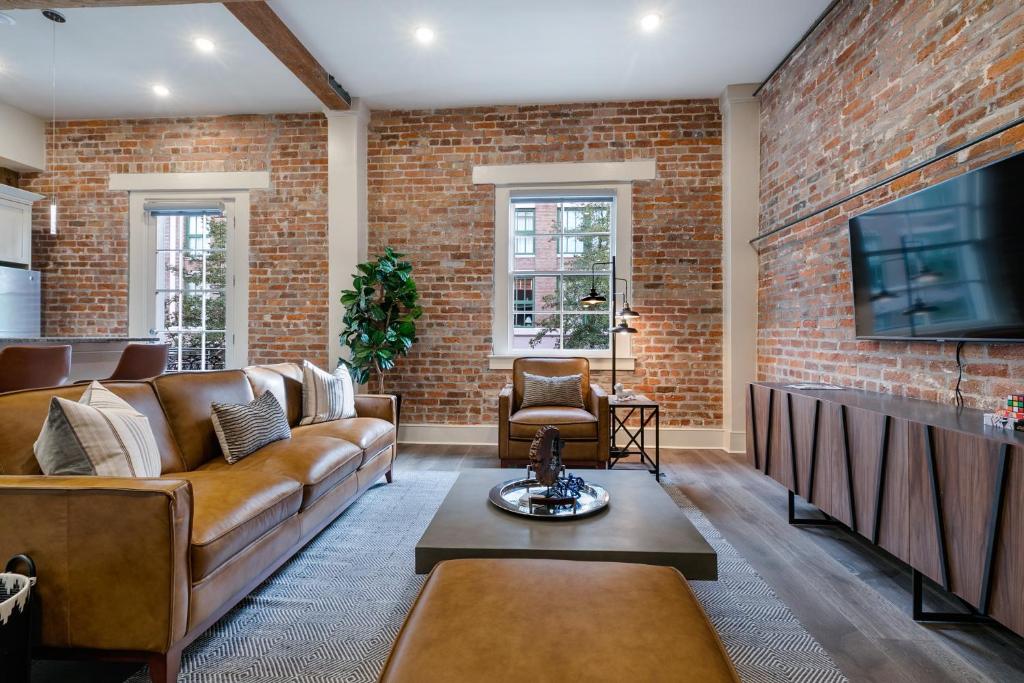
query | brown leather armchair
(586,433)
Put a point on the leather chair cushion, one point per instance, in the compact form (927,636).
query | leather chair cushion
(231,509)
(572,423)
(369,433)
(319,463)
(451,633)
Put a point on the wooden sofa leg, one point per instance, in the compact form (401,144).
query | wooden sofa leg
(388,476)
(164,668)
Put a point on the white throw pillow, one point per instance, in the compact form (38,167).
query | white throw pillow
(101,434)
(325,396)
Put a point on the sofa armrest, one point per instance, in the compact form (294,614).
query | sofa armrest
(599,408)
(504,413)
(382,406)
(112,556)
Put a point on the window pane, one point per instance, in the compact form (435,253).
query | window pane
(586,331)
(214,355)
(215,312)
(169,303)
(545,335)
(581,253)
(192,351)
(192,269)
(585,216)
(575,287)
(191,311)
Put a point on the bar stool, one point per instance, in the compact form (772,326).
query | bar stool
(32,367)
(141,361)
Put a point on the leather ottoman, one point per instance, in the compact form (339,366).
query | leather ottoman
(556,620)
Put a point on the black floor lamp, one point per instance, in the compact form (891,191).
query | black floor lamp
(623,316)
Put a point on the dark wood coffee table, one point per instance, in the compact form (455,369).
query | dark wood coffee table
(641,524)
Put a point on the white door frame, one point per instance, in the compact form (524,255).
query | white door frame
(142,264)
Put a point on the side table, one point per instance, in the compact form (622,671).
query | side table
(636,444)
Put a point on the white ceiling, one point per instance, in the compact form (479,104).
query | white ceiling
(486,52)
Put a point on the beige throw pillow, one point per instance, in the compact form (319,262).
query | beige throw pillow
(325,396)
(101,434)
(539,390)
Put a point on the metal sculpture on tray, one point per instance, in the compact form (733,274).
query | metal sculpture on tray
(548,490)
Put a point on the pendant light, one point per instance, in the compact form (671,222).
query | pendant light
(57,18)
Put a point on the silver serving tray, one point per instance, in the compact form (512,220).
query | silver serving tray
(513,496)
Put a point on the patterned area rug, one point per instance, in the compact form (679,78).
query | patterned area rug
(332,612)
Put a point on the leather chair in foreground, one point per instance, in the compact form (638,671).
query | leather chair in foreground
(586,432)
(136,569)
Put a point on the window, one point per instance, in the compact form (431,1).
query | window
(571,234)
(524,222)
(522,302)
(188,276)
(191,287)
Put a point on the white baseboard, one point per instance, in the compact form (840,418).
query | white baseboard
(487,435)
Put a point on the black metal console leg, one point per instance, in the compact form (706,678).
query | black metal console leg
(968,617)
(808,521)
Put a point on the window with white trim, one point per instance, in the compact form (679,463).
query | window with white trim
(575,229)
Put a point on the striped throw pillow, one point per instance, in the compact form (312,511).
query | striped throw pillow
(325,396)
(539,390)
(244,429)
(101,434)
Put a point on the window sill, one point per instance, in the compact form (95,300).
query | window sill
(597,362)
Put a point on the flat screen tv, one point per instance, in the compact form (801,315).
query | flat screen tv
(944,263)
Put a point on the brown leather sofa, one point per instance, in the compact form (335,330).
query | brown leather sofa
(586,433)
(136,569)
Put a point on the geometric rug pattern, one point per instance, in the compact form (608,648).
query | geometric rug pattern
(332,612)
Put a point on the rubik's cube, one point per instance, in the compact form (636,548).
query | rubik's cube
(1014,406)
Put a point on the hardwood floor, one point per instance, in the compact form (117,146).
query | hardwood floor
(851,596)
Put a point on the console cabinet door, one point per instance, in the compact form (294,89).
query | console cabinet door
(1006,604)
(810,463)
(953,484)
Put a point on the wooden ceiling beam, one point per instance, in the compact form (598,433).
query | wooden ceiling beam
(263,22)
(73,4)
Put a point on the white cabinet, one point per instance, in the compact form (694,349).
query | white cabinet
(16,225)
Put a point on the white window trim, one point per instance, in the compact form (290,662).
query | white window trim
(503,355)
(141,265)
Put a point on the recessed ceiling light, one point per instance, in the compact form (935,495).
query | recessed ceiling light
(425,35)
(161,90)
(649,22)
(204,44)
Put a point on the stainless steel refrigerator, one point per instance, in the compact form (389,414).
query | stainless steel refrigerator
(19,302)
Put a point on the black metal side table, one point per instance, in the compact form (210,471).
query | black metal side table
(636,444)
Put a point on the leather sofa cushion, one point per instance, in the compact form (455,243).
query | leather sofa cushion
(371,434)
(451,633)
(232,508)
(318,463)
(186,398)
(572,423)
(27,410)
(280,380)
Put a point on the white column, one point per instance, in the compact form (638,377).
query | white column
(346,209)
(741,157)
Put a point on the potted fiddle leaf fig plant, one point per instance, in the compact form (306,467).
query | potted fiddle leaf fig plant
(381,311)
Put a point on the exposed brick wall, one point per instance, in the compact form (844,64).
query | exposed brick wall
(879,87)
(85,266)
(423,202)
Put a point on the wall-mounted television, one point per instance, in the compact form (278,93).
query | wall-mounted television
(944,263)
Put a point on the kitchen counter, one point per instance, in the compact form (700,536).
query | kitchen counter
(4,341)
(92,357)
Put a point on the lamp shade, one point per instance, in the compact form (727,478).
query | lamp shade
(627,313)
(592,299)
(623,328)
